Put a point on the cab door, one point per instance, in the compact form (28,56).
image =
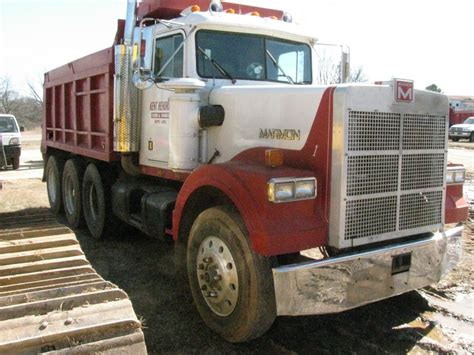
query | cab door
(168,62)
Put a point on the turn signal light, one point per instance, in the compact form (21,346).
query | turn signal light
(273,158)
(195,8)
(255,13)
(230,11)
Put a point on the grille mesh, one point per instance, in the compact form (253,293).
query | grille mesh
(378,214)
(373,131)
(422,171)
(399,155)
(420,209)
(372,174)
(424,131)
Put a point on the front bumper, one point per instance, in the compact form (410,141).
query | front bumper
(340,283)
(459,134)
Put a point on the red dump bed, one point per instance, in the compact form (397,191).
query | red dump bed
(78,107)
(457,117)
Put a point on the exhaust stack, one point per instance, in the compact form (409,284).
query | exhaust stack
(126,119)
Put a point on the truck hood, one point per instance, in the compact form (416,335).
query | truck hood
(462,125)
(6,136)
(274,116)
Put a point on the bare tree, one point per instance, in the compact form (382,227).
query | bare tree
(35,93)
(27,110)
(329,70)
(7,96)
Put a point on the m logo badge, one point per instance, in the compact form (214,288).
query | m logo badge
(404,90)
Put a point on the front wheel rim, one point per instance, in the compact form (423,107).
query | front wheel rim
(217,276)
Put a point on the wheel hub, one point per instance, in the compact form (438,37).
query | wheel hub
(217,276)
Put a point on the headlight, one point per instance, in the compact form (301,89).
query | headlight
(15,141)
(455,175)
(291,189)
(466,129)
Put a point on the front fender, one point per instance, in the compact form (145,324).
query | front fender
(274,229)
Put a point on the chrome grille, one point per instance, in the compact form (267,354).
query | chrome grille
(421,171)
(365,135)
(379,215)
(423,131)
(394,166)
(421,209)
(372,174)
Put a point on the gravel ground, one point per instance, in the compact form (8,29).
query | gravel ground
(438,319)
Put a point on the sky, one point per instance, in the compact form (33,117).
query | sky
(426,41)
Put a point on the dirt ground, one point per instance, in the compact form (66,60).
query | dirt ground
(438,319)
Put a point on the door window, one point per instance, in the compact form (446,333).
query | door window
(165,47)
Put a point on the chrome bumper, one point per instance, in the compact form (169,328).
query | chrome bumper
(344,282)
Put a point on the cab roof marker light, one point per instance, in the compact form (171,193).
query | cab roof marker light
(190,10)
(230,11)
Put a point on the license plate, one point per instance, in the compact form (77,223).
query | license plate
(401,263)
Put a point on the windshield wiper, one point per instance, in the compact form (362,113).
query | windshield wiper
(218,66)
(278,67)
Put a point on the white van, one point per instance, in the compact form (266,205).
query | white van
(10,142)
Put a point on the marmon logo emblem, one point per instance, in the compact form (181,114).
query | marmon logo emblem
(404,90)
(285,134)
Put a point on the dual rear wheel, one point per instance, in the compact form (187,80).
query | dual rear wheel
(78,192)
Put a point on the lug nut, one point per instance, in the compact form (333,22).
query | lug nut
(212,294)
(208,260)
(217,278)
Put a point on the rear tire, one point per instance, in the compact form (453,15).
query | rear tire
(72,186)
(232,286)
(471,139)
(93,201)
(54,173)
(16,163)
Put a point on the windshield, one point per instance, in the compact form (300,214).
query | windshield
(469,120)
(252,57)
(7,124)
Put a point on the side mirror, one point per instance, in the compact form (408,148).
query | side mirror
(142,73)
(22,128)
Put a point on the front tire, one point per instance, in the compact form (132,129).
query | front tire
(93,201)
(72,186)
(455,139)
(16,163)
(232,286)
(54,173)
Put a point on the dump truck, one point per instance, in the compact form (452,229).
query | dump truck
(204,123)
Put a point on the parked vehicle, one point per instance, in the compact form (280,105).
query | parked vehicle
(10,142)
(206,127)
(459,116)
(463,131)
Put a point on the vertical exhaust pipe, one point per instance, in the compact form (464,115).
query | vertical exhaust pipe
(130,22)
(126,119)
